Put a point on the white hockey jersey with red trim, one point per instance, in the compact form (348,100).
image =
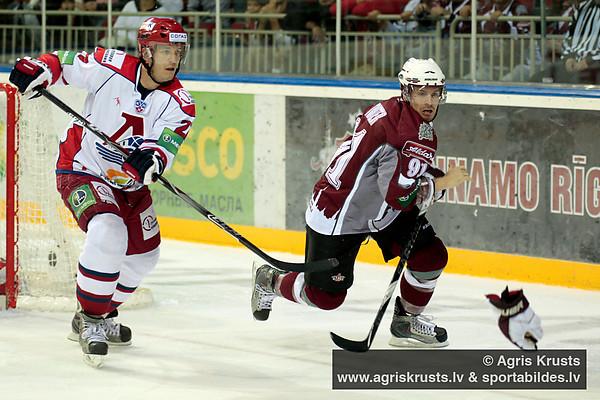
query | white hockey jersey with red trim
(160,121)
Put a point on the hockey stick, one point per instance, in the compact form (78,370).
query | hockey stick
(320,265)
(364,345)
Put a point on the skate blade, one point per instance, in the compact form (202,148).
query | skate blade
(414,343)
(119,344)
(94,360)
(73,336)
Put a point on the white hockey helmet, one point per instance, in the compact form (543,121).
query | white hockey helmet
(421,72)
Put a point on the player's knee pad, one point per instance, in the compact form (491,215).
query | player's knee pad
(105,243)
(430,258)
(138,266)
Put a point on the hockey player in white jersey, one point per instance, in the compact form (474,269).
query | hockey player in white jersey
(141,105)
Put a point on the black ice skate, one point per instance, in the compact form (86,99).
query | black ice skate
(92,339)
(415,330)
(263,290)
(116,333)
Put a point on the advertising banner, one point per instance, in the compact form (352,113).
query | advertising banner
(215,164)
(535,174)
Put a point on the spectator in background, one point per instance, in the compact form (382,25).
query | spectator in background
(126,27)
(301,15)
(457,8)
(370,9)
(172,5)
(253,7)
(580,60)
(503,8)
(426,13)
(91,20)
(210,6)
(406,22)
(24,19)
(565,9)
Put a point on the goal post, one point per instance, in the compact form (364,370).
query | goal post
(10,288)
(41,240)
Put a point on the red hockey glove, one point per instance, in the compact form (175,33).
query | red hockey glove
(517,320)
(142,165)
(29,73)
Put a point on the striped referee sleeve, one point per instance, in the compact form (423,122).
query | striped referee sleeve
(583,38)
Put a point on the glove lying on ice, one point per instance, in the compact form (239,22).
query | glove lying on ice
(29,73)
(142,165)
(517,320)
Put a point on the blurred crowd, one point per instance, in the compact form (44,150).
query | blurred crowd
(318,17)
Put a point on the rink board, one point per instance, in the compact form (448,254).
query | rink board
(532,212)
(511,224)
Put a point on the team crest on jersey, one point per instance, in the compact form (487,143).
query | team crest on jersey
(140,106)
(425,131)
(338,278)
(119,178)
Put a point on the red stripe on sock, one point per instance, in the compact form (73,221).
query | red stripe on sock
(287,285)
(414,296)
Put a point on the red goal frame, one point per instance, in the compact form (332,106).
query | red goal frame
(12,143)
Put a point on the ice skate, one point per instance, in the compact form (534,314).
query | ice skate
(263,290)
(116,333)
(92,339)
(415,330)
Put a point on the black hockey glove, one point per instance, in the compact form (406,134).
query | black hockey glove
(29,73)
(517,320)
(143,165)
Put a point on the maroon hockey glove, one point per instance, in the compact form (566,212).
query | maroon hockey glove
(29,73)
(143,165)
(517,320)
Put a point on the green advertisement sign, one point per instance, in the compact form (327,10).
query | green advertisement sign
(215,164)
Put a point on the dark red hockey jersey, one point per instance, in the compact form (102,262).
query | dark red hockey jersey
(374,174)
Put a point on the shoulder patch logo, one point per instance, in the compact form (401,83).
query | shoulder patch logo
(113,57)
(81,199)
(184,96)
(425,131)
(170,141)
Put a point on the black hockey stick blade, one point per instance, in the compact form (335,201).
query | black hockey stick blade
(365,345)
(313,266)
(350,345)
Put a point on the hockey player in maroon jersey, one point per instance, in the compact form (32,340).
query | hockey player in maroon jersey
(377,183)
(140,104)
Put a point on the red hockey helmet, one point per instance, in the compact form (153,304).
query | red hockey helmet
(167,31)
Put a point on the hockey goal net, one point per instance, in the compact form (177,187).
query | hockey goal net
(41,246)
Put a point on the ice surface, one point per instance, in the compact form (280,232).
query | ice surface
(199,341)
